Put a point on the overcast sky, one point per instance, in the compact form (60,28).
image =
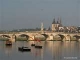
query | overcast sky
(17,14)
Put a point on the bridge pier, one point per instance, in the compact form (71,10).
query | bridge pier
(12,38)
(32,38)
(51,37)
(68,38)
(79,40)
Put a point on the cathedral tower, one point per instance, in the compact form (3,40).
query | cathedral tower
(56,24)
(53,25)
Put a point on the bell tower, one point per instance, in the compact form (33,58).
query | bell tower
(53,25)
(59,20)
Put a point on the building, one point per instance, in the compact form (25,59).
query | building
(56,25)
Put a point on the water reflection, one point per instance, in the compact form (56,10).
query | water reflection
(8,49)
(52,50)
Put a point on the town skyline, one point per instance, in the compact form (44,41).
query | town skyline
(58,20)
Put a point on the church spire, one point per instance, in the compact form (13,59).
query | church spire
(57,22)
(42,28)
(53,21)
(59,19)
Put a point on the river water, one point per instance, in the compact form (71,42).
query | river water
(52,50)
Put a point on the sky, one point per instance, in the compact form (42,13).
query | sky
(18,14)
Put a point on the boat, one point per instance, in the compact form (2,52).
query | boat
(37,46)
(23,49)
(8,43)
(32,44)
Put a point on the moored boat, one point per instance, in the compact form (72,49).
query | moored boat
(40,47)
(38,44)
(24,49)
(32,44)
(8,43)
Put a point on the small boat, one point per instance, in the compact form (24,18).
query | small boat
(32,44)
(40,47)
(8,43)
(37,44)
(24,49)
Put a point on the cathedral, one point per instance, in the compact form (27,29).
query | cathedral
(56,24)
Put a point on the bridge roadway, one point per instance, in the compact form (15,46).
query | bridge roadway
(50,35)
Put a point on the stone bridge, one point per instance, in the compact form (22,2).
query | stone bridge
(45,35)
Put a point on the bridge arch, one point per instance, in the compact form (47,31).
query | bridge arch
(59,37)
(45,35)
(24,36)
(7,36)
(77,37)
(40,37)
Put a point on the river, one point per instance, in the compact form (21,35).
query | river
(52,50)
